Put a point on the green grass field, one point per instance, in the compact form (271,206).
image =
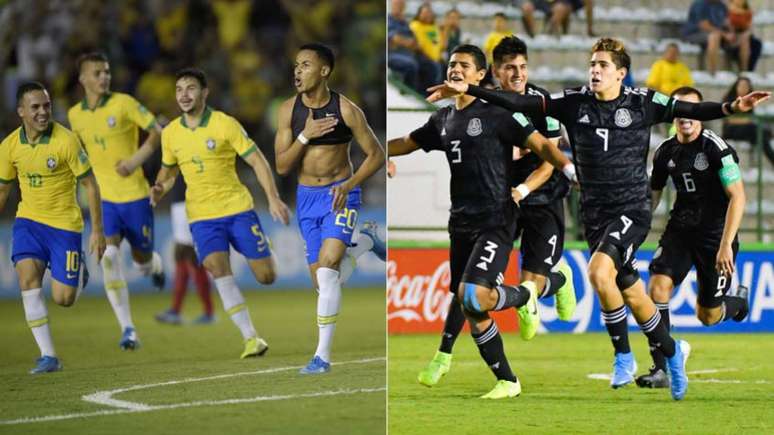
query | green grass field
(733,395)
(349,399)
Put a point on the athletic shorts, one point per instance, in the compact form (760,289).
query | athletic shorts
(181,232)
(679,249)
(619,237)
(318,222)
(59,250)
(131,220)
(541,228)
(480,257)
(243,231)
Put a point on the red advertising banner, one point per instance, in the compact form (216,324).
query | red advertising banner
(418,291)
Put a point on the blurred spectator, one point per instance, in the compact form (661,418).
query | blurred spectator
(404,56)
(668,73)
(427,33)
(499,31)
(558,13)
(233,19)
(451,35)
(742,126)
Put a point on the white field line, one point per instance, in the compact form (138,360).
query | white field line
(606,377)
(124,407)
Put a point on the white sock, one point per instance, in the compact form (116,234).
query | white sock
(115,286)
(234,304)
(328,303)
(154,265)
(37,319)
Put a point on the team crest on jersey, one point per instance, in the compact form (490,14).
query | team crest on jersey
(623,118)
(111,121)
(474,127)
(51,163)
(211,144)
(701,162)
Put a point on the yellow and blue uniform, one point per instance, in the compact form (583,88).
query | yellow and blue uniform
(219,207)
(110,134)
(48,221)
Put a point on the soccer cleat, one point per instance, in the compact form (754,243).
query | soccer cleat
(436,369)
(129,340)
(565,296)
(504,389)
(529,316)
(169,317)
(254,346)
(656,378)
(46,364)
(369,228)
(677,375)
(744,293)
(205,319)
(624,369)
(158,280)
(316,366)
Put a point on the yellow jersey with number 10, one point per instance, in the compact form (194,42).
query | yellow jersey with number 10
(47,171)
(206,156)
(110,133)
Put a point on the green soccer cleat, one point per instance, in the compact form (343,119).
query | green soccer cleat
(504,389)
(565,296)
(254,346)
(529,316)
(435,370)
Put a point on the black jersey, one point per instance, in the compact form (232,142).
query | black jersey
(478,141)
(555,187)
(341,134)
(694,168)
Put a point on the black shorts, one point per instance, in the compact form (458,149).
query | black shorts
(679,249)
(541,228)
(480,257)
(620,236)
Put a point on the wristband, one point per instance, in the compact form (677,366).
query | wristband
(301,138)
(569,171)
(523,189)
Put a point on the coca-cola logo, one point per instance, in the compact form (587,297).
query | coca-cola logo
(416,298)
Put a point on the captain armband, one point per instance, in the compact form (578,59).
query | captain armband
(729,173)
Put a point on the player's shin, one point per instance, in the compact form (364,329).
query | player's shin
(455,320)
(36,314)
(615,322)
(512,297)
(234,304)
(328,303)
(659,361)
(115,286)
(490,346)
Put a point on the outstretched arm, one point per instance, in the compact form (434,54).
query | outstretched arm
(401,146)
(707,110)
(278,209)
(530,105)
(97,238)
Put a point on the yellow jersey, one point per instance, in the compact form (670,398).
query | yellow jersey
(109,133)
(206,156)
(47,172)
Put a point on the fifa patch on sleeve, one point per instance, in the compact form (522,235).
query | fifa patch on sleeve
(729,173)
(660,98)
(521,119)
(552,123)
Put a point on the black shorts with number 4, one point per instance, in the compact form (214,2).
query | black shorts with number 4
(541,228)
(620,236)
(679,249)
(480,257)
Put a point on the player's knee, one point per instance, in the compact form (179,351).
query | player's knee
(329,262)
(708,316)
(660,291)
(110,257)
(626,278)
(266,275)
(600,277)
(64,298)
(476,299)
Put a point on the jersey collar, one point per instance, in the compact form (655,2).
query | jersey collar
(102,101)
(45,138)
(205,118)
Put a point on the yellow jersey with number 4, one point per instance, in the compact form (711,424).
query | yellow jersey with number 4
(47,171)
(110,133)
(206,156)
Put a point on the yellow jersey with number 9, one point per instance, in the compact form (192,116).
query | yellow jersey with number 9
(47,171)
(110,133)
(206,156)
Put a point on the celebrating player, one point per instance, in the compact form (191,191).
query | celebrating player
(478,140)
(47,159)
(702,227)
(107,123)
(202,144)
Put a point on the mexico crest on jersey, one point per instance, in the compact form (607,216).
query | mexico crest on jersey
(623,118)
(474,127)
(51,163)
(701,163)
(211,144)
(111,121)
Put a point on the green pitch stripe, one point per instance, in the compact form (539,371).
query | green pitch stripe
(420,244)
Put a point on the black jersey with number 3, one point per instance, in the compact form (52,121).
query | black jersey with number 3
(694,168)
(478,141)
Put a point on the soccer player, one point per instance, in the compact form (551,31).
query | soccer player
(107,123)
(478,140)
(539,191)
(314,133)
(609,129)
(47,159)
(202,144)
(702,227)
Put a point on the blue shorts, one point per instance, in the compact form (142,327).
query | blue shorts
(316,220)
(59,249)
(131,220)
(243,231)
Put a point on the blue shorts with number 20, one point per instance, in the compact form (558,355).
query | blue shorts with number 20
(318,222)
(242,230)
(59,249)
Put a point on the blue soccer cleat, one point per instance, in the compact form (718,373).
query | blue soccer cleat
(129,340)
(676,365)
(624,369)
(46,364)
(370,229)
(169,317)
(316,366)
(205,319)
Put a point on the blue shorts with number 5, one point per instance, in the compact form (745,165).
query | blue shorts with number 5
(316,220)
(59,249)
(131,220)
(243,231)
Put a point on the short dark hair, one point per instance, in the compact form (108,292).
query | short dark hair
(687,90)
(91,56)
(478,56)
(194,73)
(323,52)
(501,15)
(510,46)
(617,52)
(26,88)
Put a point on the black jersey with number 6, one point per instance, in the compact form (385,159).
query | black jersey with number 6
(478,141)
